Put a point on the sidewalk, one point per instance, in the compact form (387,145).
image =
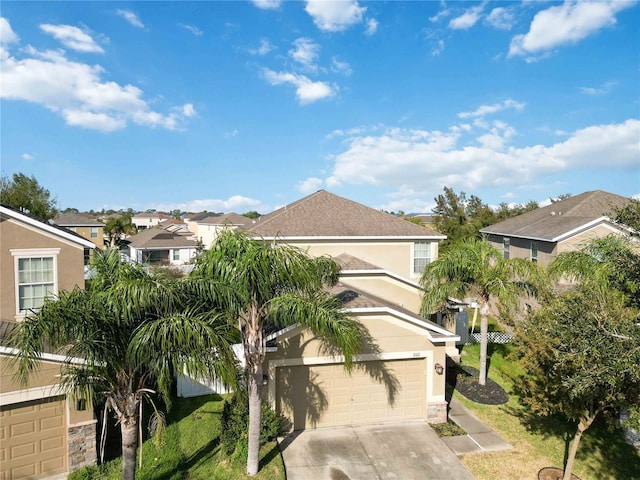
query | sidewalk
(479,437)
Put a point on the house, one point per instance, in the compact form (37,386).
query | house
(43,432)
(541,234)
(206,226)
(143,221)
(160,245)
(400,373)
(84,225)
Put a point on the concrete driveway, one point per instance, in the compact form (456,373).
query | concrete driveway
(403,450)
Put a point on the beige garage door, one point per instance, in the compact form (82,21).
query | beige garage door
(326,395)
(33,440)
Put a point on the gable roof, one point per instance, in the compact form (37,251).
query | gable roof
(158,237)
(560,219)
(46,227)
(226,219)
(325,215)
(76,220)
(349,262)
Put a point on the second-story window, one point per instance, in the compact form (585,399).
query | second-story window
(94,232)
(506,243)
(421,256)
(35,277)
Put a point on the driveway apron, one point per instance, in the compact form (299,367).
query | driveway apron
(403,451)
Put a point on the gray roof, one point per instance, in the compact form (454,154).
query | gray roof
(76,220)
(349,262)
(226,219)
(560,218)
(160,238)
(323,214)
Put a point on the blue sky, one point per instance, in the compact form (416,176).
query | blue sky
(237,106)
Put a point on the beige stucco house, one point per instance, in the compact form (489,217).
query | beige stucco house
(206,226)
(87,227)
(400,374)
(541,234)
(42,431)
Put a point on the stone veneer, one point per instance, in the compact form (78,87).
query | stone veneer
(437,412)
(81,439)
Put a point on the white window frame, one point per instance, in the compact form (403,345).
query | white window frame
(429,257)
(534,247)
(94,232)
(21,254)
(176,253)
(506,247)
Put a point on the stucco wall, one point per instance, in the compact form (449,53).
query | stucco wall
(387,288)
(15,235)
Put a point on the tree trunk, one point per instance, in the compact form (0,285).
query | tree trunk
(584,423)
(255,411)
(129,429)
(484,333)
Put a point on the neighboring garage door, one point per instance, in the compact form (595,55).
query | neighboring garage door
(315,396)
(33,439)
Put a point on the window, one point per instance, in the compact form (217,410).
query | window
(506,243)
(94,232)
(421,256)
(36,277)
(534,251)
(176,255)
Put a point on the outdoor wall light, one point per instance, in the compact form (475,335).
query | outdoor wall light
(265,379)
(439,368)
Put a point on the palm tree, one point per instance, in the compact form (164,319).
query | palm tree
(117,227)
(473,268)
(132,332)
(271,283)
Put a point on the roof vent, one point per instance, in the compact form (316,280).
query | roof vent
(553,214)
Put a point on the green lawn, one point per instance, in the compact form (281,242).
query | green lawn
(191,450)
(539,443)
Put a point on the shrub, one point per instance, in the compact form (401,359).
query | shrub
(235,425)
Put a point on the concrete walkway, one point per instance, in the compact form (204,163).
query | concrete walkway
(479,437)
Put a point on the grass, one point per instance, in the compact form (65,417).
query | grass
(541,442)
(191,450)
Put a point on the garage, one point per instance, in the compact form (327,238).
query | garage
(33,439)
(315,396)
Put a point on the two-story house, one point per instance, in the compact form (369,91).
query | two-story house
(84,225)
(42,431)
(206,226)
(400,372)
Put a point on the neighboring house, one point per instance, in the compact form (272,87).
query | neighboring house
(400,374)
(43,432)
(541,234)
(159,245)
(207,226)
(143,221)
(84,225)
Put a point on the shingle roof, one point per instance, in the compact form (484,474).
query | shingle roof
(323,214)
(349,262)
(226,219)
(560,218)
(160,238)
(76,220)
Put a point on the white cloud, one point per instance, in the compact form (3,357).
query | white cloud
(335,16)
(500,18)
(307,90)
(267,4)
(78,92)
(340,67)
(26,156)
(468,19)
(192,28)
(422,161)
(232,133)
(310,185)
(305,52)
(372,26)
(7,35)
(566,24)
(264,48)
(489,109)
(130,17)
(72,37)
(602,90)
(235,203)
(438,48)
